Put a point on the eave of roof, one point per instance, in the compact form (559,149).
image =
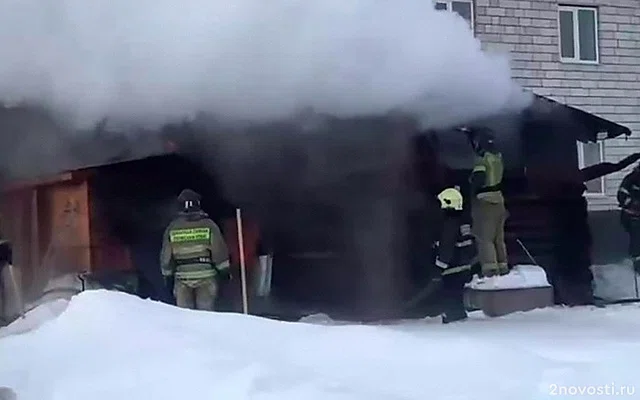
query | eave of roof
(597,128)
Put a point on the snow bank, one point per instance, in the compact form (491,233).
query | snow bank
(110,345)
(36,317)
(7,394)
(61,287)
(248,59)
(320,319)
(520,277)
(614,282)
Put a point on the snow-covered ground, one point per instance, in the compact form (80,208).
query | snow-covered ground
(109,345)
(35,318)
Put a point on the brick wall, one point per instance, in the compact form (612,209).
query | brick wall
(528,29)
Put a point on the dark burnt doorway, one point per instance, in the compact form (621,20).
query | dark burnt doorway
(137,200)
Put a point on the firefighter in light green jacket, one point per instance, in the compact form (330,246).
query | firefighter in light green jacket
(488,209)
(194,255)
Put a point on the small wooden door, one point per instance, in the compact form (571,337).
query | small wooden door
(69,245)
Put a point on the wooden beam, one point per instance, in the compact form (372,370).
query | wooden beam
(26,184)
(35,232)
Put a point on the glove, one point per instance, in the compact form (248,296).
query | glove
(225,274)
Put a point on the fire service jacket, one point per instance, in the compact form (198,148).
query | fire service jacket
(193,249)
(456,250)
(629,194)
(489,170)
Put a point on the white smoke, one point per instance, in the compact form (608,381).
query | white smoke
(152,61)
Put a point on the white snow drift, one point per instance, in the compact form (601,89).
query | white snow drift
(110,345)
(153,60)
(520,277)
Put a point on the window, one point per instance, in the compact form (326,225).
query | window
(578,34)
(462,8)
(590,154)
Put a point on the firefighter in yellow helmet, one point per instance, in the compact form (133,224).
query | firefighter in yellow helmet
(194,255)
(455,254)
(488,210)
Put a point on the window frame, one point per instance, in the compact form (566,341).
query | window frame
(603,185)
(450,9)
(576,34)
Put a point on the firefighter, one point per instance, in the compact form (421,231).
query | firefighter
(629,202)
(488,209)
(194,255)
(455,254)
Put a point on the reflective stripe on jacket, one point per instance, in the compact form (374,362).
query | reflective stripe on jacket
(193,248)
(456,250)
(492,166)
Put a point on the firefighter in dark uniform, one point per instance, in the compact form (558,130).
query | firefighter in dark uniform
(629,202)
(455,254)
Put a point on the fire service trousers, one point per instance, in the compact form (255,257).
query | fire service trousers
(453,294)
(488,228)
(631,225)
(200,295)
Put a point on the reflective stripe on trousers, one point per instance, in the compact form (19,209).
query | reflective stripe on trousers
(457,269)
(447,270)
(194,275)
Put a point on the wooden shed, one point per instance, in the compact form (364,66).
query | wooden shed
(85,221)
(55,230)
(334,206)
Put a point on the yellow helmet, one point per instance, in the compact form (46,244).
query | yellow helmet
(450,199)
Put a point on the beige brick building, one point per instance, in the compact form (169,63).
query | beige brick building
(584,53)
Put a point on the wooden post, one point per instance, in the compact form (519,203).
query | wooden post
(35,238)
(243,270)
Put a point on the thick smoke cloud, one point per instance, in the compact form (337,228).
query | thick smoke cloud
(153,61)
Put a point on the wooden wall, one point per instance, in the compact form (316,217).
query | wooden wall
(17,226)
(49,226)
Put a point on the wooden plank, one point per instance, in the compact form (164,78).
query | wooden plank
(25,184)
(35,232)
(70,237)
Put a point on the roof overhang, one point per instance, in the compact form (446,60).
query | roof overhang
(585,126)
(17,185)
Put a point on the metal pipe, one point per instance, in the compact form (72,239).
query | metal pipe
(533,260)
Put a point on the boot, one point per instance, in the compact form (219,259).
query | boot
(489,270)
(458,315)
(454,310)
(503,269)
